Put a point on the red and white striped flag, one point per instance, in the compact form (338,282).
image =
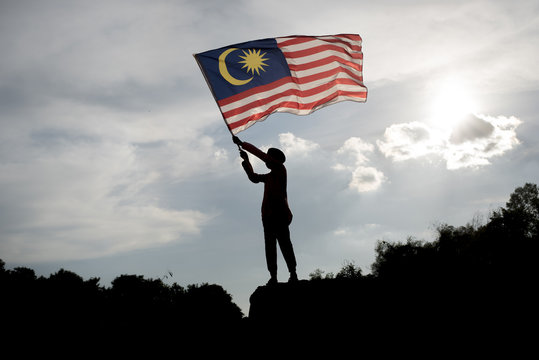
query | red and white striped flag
(295,74)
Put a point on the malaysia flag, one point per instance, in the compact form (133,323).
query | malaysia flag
(295,74)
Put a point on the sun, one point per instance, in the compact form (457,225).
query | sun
(452,102)
(253,61)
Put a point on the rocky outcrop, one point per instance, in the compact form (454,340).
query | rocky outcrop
(304,303)
(372,308)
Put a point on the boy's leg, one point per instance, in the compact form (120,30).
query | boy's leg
(287,249)
(270,242)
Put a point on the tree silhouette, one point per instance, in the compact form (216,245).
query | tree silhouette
(524,204)
(472,280)
(505,246)
(519,221)
(412,259)
(134,313)
(349,271)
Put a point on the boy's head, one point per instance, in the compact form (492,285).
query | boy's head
(277,155)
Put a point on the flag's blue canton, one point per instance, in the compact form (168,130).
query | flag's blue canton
(276,68)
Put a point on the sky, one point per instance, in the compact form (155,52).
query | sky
(114,158)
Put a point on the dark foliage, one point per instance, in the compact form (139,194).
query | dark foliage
(134,314)
(473,286)
(505,247)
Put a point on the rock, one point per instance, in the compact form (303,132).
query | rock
(307,302)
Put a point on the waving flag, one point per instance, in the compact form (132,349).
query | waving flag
(295,74)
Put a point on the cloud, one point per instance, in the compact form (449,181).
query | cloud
(95,45)
(470,29)
(483,142)
(470,129)
(408,141)
(73,195)
(99,118)
(471,143)
(294,146)
(353,158)
(366,178)
(62,232)
(80,181)
(356,149)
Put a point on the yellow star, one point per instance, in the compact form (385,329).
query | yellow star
(253,61)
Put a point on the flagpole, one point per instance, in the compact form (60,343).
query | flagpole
(214,97)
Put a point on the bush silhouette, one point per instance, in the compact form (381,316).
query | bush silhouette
(66,309)
(473,279)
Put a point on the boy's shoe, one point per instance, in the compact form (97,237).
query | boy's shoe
(272,281)
(293,278)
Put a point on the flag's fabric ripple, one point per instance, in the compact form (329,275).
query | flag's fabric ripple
(316,71)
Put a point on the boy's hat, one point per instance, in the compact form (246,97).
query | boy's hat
(277,155)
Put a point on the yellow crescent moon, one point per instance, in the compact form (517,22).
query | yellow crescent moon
(224,71)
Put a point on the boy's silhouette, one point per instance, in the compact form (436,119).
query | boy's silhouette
(276,215)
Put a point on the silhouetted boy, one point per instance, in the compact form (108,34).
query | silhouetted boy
(276,215)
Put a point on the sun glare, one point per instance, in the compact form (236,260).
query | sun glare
(452,103)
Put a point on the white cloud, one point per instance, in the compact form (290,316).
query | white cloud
(72,197)
(471,143)
(408,141)
(353,158)
(293,145)
(97,114)
(499,138)
(97,45)
(64,232)
(366,178)
(356,149)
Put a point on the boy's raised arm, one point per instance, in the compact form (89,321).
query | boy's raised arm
(252,149)
(256,151)
(254,177)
